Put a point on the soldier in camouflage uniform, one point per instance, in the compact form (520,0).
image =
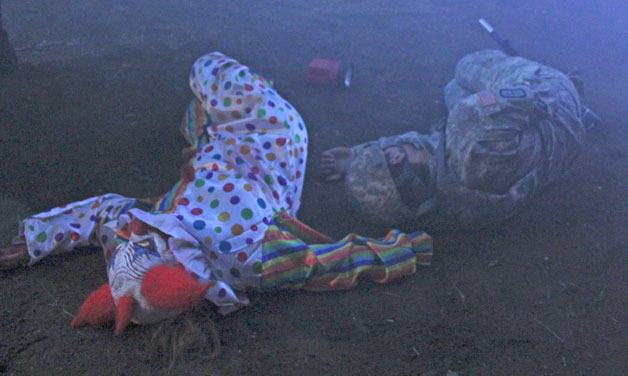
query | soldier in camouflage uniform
(514,126)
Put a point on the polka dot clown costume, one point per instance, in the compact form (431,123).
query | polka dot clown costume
(227,225)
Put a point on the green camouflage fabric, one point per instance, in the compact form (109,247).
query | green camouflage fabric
(513,127)
(370,187)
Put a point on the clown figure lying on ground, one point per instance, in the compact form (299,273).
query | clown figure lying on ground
(227,225)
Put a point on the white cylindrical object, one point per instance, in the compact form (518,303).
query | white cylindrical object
(487,26)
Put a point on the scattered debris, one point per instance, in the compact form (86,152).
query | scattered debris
(561,339)
(324,71)
(24,346)
(569,287)
(600,296)
(463,299)
(416,351)
(493,263)
(119,70)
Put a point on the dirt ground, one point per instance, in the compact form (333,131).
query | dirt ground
(95,107)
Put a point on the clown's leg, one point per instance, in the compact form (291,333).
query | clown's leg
(75,225)
(290,263)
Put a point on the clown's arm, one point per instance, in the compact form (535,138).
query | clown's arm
(64,228)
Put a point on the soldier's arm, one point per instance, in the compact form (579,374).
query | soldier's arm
(476,209)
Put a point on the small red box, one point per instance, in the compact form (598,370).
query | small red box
(322,71)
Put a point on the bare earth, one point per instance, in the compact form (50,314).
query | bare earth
(95,108)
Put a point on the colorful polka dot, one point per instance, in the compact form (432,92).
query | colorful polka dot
(224,246)
(224,216)
(234,272)
(199,224)
(237,229)
(41,237)
(247,213)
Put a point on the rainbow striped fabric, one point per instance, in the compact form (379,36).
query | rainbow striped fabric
(289,262)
